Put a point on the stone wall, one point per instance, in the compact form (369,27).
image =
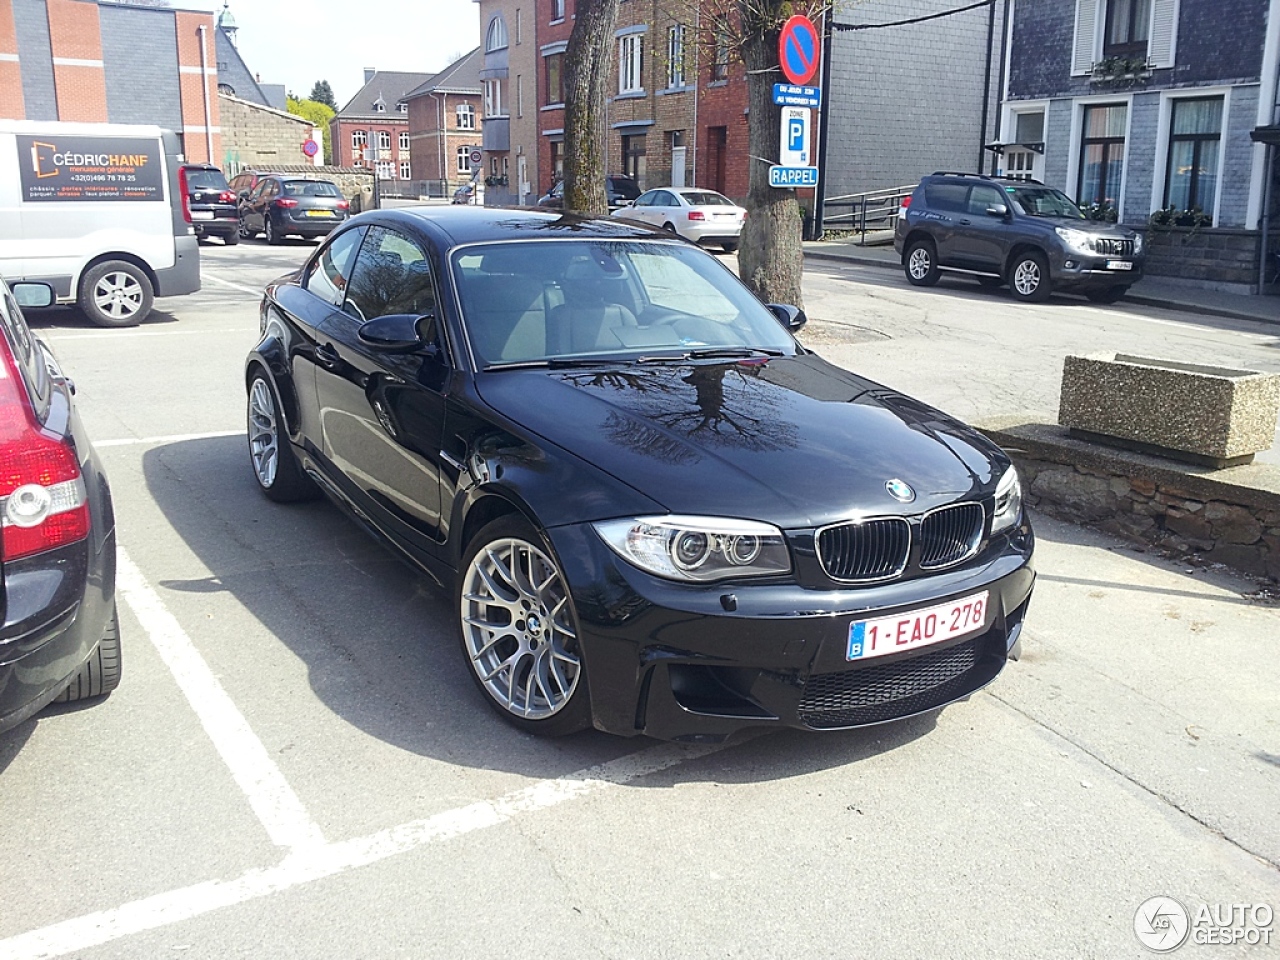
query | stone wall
(1218,258)
(258,137)
(1225,516)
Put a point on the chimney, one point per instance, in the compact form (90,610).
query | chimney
(369,72)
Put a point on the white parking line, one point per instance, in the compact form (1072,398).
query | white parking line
(256,291)
(113,335)
(174,438)
(272,799)
(316,863)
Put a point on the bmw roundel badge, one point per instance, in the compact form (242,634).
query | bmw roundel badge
(899,490)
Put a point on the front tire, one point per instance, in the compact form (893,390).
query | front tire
(115,294)
(921,264)
(1029,277)
(100,674)
(275,465)
(519,632)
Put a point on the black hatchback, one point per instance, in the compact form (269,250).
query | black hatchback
(60,638)
(292,206)
(210,201)
(661,514)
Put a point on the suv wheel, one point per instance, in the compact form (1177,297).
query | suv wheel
(921,264)
(1029,277)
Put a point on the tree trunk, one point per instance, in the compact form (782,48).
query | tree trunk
(587,62)
(770,258)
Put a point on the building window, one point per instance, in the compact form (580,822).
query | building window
(519,95)
(675,57)
(386,170)
(633,158)
(464,160)
(720,56)
(404,140)
(359,139)
(557,161)
(519,26)
(466,114)
(1195,133)
(557,10)
(380,105)
(405,173)
(1128,27)
(402,107)
(1102,155)
(555,79)
(496,39)
(631,64)
(384,142)
(493,106)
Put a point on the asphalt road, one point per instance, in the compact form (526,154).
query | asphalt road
(297,765)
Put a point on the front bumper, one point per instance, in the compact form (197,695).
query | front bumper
(680,662)
(1070,269)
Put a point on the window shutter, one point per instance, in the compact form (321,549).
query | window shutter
(1164,33)
(1086,37)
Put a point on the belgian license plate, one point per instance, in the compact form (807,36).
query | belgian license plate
(201,214)
(319,213)
(1119,265)
(919,628)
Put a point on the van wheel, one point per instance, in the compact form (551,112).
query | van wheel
(115,294)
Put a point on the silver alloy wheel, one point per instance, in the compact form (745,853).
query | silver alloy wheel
(517,630)
(268,230)
(919,263)
(118,295)
(264,434)
(243,229)
(1026,277)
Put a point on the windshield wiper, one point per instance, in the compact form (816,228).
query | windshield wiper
(710,353)
(555,363)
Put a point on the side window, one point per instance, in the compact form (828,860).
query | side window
(28,354)
(645,200)
(328,273)
(665,199)
(391,275)
(983,197)
(946,197)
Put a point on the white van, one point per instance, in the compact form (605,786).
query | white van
(96,210)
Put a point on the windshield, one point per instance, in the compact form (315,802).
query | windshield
(556,300)
(1044,202)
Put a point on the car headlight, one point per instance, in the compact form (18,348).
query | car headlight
(698,549)
(1008,501)
(1077,240)
(1138,243)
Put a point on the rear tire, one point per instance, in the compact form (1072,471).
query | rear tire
(1029,277)
(100,674)
(115,294)
(275,465)
(730,247)
(1108,295)
(921,264)
(231,239)
(244,232)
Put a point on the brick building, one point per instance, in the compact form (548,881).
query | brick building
(509,74)
(445,117)
(553,22)
(1139,105)
(377,116)
(80,60)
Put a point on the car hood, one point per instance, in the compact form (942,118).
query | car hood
(794,441)
(1095,227)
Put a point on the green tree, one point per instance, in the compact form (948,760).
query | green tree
(319,115)
(321,92)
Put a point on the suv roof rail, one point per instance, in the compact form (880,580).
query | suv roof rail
(959,173)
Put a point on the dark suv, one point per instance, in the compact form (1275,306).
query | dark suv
(620,191)
(211,202)
(1018,232)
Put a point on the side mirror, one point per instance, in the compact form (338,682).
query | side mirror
(997,210)
(397,333)
(793,318)
(32,293)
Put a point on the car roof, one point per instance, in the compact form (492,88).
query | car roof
(452,226)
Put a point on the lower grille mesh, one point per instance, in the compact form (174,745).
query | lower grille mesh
(886,691)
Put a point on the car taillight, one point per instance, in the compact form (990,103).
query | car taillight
(697,215)
(226,196)
(902,209)
(286,202)
(343,204)
(185,194)
(42,495)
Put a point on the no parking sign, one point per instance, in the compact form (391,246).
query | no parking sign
(799,50)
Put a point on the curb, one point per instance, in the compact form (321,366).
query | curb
(1179,306)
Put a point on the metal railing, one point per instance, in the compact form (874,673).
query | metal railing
(861,213)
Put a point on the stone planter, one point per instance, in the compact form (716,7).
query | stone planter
(1213,416)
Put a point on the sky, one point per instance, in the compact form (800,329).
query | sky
(297,42)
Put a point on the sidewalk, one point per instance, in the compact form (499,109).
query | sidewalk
(1150,291)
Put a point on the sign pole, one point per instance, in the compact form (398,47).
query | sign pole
(816,227)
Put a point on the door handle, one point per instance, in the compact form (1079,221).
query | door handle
(965,223)
(327,356)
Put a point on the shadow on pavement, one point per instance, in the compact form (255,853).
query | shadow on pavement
(377,637)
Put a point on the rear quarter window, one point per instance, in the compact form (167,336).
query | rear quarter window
(950,197)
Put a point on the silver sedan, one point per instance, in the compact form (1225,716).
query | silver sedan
(703,216)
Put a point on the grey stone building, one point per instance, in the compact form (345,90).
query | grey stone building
(1135,107)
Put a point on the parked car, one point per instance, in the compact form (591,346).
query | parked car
(619,190)
(661,514)
(108,242)
(465,194)
(1018,232)
(701,216)
(61,635)
(211,202)
(280,206)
